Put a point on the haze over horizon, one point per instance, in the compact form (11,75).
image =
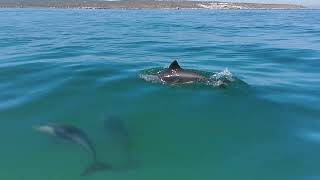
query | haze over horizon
(307,3)
(312,3)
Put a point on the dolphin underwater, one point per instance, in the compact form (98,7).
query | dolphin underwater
(118,132)
(115,125)
(77,136)
(176,75)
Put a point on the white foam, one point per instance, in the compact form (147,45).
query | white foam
(225,74)
(221,78)
(150,78)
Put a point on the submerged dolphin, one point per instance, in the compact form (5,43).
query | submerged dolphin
(176,75)
(77,136)
(116,126)
(121,140)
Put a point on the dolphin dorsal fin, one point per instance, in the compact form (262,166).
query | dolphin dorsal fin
(174,65)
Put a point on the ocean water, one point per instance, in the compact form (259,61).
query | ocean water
(79,67)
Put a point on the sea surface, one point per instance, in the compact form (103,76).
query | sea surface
(81,67)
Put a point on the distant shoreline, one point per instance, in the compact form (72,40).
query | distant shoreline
(142,5)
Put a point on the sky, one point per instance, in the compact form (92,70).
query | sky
(312,3)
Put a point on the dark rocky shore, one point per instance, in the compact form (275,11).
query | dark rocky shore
(93,4)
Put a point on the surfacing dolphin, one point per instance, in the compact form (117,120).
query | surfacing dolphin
(176,75)
(77,136)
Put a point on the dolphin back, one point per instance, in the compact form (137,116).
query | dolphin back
(80,137)
(177,75)
(75,135)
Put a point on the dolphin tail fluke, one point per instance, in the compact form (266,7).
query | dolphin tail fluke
(96,167)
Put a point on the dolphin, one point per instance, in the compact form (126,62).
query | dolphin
(176,75)
(77,136)
(115,125)
(120,136)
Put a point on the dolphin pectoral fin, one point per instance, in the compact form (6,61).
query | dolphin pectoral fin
(95,167)
(174,65)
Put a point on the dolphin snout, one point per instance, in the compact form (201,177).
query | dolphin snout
(44,128)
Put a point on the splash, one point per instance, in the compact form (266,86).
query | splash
(150,78)
(221,79)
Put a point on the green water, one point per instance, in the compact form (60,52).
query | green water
(79,66)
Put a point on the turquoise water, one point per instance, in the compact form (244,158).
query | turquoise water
(78,66)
